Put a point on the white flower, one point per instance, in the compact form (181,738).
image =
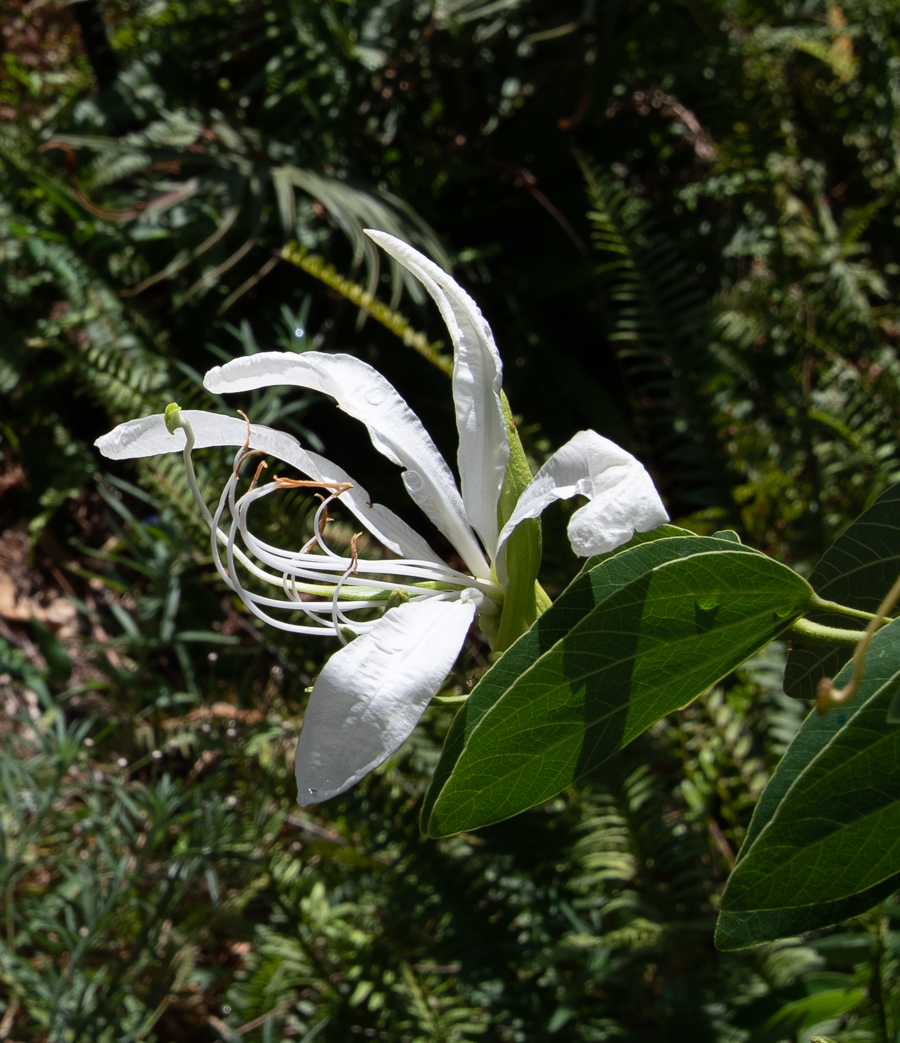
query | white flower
(372,692)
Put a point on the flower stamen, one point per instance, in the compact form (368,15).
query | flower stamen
(259,470)
(325,518)
(315,581)
(296,483)
(337,616)
(246,445)
(353,552)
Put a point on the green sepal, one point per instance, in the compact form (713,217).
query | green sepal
(396,598)
(524,598)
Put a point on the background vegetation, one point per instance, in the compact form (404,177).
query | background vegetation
(681,220)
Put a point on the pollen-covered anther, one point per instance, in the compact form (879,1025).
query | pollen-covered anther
(243,454)
(259,470)
(336,488)
(246,452)
(354,555)
(246,445)
(339,619)
(322,515)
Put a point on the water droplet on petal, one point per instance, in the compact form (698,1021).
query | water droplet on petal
(299,332)
(412,480)
(708,604)
(375,397)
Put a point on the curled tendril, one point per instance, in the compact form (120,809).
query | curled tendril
(827,696)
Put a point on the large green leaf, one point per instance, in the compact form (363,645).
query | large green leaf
(608,664)
(824,843)
(661,532)
(857,570)
(601,577)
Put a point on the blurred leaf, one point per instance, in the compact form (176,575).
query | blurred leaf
(59,665)
(784,1013)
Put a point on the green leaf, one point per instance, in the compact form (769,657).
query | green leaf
(822,845)
(661,532)
(785,1012)
(857,570)
(601,577)
(614,655)
(727,534)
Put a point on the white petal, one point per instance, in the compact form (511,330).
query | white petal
(371,694)
(477,376)
(394,428)
(148,436)
(622,497)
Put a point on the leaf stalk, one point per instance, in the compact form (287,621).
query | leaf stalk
(825,635)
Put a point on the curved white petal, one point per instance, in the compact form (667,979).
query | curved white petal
(622,497)
(148,436)
(477,376)
(371,694)
(394,428)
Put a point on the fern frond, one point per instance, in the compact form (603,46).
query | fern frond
(662,323)
(230,166)
(458,12)
(326,273)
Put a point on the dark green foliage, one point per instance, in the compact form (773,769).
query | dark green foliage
(765,196)
(661,323)
(740,333)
